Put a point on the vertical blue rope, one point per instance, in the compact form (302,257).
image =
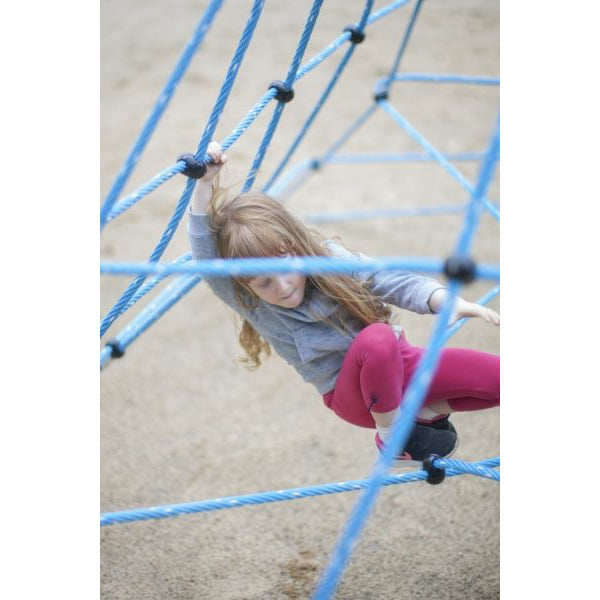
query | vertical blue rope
(230,78)
(289,80)
(403,44)
(326,157)
(159,108)
(158,251)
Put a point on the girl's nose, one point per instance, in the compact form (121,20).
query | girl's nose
(282,285)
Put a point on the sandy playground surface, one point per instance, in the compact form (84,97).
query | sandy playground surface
(181,419)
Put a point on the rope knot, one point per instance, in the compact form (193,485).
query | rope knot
(356,35)
(284,93)
(194,168)
(460,267)
(435,475)
(116,348)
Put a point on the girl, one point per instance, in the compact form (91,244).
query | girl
(335,330)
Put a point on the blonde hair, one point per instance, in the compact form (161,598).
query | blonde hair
(254,225)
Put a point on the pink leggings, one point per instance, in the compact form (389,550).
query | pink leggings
(378,368)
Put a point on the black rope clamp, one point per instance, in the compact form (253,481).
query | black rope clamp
(116,348)
(435,475)
(356,35)
(194,169)
(460,267)
(381,90)
(284,93)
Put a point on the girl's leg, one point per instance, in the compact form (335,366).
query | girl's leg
(369,386)
(464,380)
(369,389)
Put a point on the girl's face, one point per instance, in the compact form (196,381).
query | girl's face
(285,290)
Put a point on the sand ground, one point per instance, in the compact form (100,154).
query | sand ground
(181,419)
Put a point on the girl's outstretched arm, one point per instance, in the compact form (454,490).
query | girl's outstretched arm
(463,308)
(204,187)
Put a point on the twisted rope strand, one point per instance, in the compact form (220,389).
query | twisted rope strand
(289,80)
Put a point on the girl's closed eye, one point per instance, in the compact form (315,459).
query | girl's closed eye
(263,284)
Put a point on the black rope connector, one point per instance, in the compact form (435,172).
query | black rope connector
(381,90)
(284,93)
(460,267)
(116,348)
(380,96)
(194,169)
(356,35)
(435,475)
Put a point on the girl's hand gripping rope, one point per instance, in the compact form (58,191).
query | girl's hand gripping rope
(462,308)
(204,186)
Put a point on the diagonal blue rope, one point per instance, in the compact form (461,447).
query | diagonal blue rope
(289,80)
(151,313)
(403,44)
(159,108)
(294,177)
(150,285)
(436,155)
(485,176)
(226,87)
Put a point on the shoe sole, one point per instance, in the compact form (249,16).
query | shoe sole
(409,464)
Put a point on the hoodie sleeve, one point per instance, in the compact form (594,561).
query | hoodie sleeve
(404,289)
(203,248)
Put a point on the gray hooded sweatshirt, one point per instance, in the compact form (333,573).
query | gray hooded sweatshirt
(304,336)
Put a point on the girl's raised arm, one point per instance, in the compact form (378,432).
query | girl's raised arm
(204,186)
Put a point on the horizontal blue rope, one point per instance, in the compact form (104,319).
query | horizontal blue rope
(384,213)
(432,78)
(480,468)
(405,157)
(243,267)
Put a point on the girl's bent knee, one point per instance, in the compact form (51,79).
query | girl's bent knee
(378,338)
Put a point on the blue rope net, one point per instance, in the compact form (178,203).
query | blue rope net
(189,273)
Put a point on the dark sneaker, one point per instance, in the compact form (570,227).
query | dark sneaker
(443,424)
(424,441)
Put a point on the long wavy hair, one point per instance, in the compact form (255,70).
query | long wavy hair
(254,225)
